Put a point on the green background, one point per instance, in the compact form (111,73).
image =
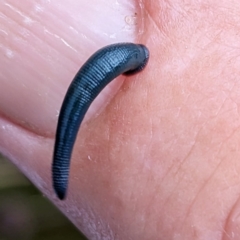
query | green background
(25,213)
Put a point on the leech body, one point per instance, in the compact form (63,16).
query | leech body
(99,70)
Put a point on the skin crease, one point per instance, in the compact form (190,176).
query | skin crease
(161,161)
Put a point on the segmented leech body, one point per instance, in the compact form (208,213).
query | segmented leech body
(99,70)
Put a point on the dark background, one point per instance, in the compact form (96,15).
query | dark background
(25,214)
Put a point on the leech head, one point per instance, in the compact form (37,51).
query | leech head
(99,70)
(139,60)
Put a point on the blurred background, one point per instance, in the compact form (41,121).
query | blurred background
(25,214)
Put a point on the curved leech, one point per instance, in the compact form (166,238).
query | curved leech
(99,70)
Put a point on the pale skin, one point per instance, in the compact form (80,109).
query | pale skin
(161,158)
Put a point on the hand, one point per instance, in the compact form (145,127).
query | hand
(161,158)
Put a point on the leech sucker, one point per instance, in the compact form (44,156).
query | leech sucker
(99,70)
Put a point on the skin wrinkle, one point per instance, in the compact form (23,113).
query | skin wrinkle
(202,188)
(165,176)
(162,29)
(152,201)
(169,171)
(224,101)
(152,20)
(184,159)
(176,186)
(225,232)
(29,131)
(228,220)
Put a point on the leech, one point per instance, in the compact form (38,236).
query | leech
(99,70)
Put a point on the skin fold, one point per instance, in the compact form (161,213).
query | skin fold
(158,157)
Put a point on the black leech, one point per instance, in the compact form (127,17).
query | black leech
(99,70)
